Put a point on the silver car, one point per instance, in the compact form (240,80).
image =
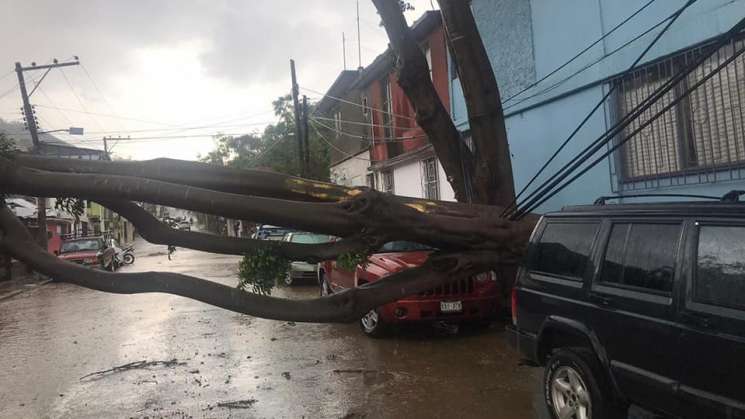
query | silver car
(303,271)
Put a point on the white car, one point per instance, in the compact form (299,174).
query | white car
(303,271)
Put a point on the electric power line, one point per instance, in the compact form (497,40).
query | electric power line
(330,144)
(587,66)
(559,68)
(365,138)
(509,209)
(547,189)
(338,99)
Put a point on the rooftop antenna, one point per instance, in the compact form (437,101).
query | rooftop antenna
(359,45)
(344,50)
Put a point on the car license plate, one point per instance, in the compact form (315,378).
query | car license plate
(451,306)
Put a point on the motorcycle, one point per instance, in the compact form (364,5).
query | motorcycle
(126,256)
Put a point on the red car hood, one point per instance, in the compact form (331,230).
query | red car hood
(79,255)
(382,264)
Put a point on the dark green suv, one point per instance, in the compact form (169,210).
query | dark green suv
(636,303)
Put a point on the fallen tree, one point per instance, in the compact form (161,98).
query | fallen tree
(471,237)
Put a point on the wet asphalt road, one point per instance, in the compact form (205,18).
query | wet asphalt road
(222,364)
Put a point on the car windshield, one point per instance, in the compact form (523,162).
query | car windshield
(309,238)
(80,245)
(403,246)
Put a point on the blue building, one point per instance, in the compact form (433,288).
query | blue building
(698,147)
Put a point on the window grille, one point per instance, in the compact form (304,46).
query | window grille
(700,139)
(430,182)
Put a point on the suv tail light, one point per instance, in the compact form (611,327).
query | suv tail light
(514,306)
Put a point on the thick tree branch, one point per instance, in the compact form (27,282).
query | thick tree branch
(201,175)
(492,180)
(370,214)
(154,231)
(346,306)
(431,114)
(239,181)
(307,216)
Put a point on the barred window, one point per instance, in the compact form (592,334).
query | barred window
(705,130)
(430,182)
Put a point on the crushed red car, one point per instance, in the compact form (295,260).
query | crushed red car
(473,300)
(88,251)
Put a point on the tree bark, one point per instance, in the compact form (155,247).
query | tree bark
(431,114)
(154,231)
(370,214)
(492,181)
(345,306)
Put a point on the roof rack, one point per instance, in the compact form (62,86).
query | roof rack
(731,196)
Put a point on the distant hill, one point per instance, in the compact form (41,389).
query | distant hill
(20,136)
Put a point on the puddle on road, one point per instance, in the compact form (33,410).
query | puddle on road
(59,333)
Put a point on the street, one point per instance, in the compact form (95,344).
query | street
(209,362)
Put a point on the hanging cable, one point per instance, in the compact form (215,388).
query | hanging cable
(636,131)
(330,144)
(617,128)
(509,210)
(579,54)
(362,137)
(338,99)
(589,65)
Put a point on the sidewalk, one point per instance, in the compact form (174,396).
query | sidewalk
(22,281)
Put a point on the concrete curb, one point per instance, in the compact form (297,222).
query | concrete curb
(12,294)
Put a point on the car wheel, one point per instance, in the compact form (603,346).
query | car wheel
(288,279)
(372,325)
(128,259)
(574,386)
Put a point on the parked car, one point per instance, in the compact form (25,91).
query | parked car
(303,271)
(269,232)
(89,251)
(184,226)
(636,303)
(466,300)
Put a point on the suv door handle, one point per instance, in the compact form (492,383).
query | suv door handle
(600,299)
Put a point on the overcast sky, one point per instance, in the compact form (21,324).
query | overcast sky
(162,68)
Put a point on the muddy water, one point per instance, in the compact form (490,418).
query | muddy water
(221,364)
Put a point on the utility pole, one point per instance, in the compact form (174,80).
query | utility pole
(105,146)
(344,50)
(298,126)
(359,42)
(306,141)
(33,128)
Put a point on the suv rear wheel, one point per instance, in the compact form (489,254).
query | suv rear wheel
(574,386)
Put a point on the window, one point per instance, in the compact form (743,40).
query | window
(388,181)
(705,130)
(428,57)
(365,107)
(430,184)
(370,180)
(720,270)
(641,256)
(564,249)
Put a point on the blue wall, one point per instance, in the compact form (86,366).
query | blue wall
(554,32)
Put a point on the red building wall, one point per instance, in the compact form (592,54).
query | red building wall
(408,134)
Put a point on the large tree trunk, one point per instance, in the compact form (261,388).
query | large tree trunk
(492,178)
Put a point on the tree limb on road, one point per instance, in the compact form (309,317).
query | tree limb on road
(345,306)
(154,231)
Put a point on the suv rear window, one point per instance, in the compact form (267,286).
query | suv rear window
(720,273)
(641,256)
(563,249)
